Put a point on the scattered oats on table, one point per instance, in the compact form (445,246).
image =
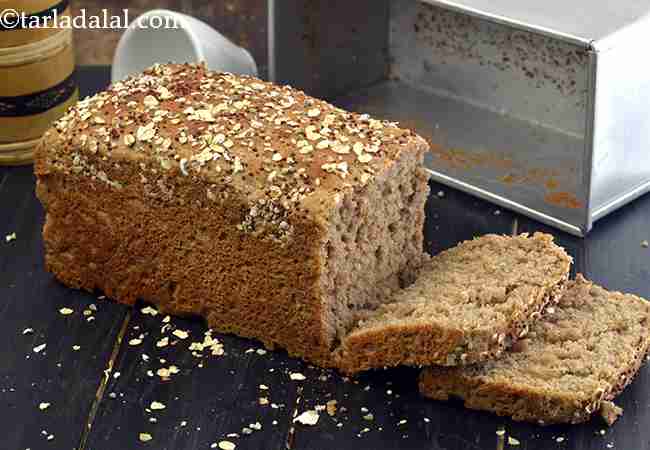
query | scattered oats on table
(149,310)
(309,417)
(39,348)
(226,445)
(295,376)
(181,334)
(66,311)
(157,406)
(10,237)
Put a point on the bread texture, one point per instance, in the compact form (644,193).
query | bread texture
(271,214)
(571,365)
(469,304)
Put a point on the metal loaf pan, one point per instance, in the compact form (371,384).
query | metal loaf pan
(539,107)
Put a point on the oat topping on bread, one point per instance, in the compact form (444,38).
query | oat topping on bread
(273,143)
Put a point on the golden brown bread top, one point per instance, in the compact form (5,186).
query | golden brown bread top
(274,144)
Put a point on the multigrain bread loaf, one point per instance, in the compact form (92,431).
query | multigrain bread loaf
(271,214)
(571,365)
(468,305)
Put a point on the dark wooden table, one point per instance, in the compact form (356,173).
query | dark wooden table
(100,383)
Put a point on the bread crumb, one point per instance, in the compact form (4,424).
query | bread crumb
(263,401)
(512,441)
(145,437)
(28,331)
(10,237)
(297,376)
(43,406)
(309,417)
(163,342)
(610,412)
(330,406)
(135,341)
(559,439)
(66,311)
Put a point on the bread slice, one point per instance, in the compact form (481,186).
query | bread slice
(571,365)
(468,304)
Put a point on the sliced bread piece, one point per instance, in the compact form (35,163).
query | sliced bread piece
(571,365)
(468,304)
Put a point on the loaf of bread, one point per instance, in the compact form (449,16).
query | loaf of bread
(571,365)
(270,213)
(469,304)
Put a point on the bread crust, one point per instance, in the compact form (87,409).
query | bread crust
(505,388)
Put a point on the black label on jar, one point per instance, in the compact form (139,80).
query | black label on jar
(38,102)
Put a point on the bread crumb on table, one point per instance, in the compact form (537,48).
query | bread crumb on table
(145,437)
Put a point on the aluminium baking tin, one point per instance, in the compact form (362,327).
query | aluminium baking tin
(541,108)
